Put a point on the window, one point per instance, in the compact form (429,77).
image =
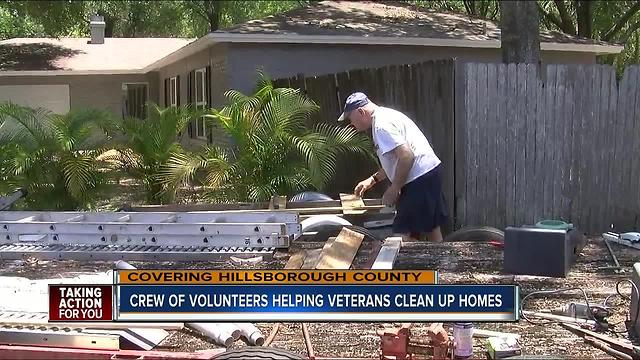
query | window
(134,99)
(173,91)
(200,92)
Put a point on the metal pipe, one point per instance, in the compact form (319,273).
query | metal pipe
(558,318)
(307,341)
(272,334)
(251,332)
(615,259)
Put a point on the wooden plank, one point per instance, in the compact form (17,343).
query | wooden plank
(472,145)
(296,260)
(612,144)
(491,147)
(351,202)
(481,145)
(530,142)
(342,252)
(520,128)
(510,173)
(563,119)
(602,149)
(589,150)
(449,148)
(626,89)
(501,146)
(579,131)
(540,151)
(634,207)
(278,202)
(461,102)
(549,142)
(313,256)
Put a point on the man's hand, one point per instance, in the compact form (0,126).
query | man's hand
(390,196)
(363,186)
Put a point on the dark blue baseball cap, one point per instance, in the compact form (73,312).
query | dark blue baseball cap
(354,101)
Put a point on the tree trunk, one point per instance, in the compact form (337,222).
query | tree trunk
(584,12)
(520,35)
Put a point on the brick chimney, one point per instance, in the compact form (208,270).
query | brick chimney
(97,26)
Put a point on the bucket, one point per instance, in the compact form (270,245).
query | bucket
(554,225)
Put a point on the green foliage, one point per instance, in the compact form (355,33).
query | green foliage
(149,144)
(274,152)
(55,157)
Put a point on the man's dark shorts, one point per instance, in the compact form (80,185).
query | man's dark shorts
(421,206)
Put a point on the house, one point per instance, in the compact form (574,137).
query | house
(325,37)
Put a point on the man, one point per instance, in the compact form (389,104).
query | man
(408,161)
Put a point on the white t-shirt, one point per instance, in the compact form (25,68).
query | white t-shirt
(390,129)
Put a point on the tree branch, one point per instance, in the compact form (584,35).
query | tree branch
(567,22)
(630,32)
(621,22)
(549,16)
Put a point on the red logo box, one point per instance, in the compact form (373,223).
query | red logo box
(80,303)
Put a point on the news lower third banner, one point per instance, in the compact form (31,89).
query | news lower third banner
(282,295)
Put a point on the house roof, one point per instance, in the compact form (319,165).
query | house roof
(324,22)
(388,19)
(22,56)
(376,23)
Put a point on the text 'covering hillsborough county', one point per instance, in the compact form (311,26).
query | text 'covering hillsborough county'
(245,277)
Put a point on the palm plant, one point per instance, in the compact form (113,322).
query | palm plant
(273,151)
(55,157)
(149,144)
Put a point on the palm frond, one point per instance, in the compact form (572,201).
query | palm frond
(31,128)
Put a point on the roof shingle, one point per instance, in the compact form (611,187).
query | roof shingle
(388,19)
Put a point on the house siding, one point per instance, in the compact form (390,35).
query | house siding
(216,57)
(91,91)
(285,60)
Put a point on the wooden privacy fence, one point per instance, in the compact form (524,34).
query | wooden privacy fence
(565,147)
(516,147)
(422,91)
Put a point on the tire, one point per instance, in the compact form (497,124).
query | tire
(476,233)
(309,196)
(258,353)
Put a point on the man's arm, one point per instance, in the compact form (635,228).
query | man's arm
(405,158)
(379,175)
(405,162)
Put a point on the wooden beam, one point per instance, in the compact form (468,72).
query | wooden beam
(296,260)
(342,252)
(278,202)
(350,203)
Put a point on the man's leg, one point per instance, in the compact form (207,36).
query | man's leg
(435,235)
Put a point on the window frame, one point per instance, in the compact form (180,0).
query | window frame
(200,125)
(173,91)
(125,89)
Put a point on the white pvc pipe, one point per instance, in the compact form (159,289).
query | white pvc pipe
(252,333)
(222,333)
(317,221)
(219,335)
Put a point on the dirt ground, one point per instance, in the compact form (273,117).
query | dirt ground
(457,263)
